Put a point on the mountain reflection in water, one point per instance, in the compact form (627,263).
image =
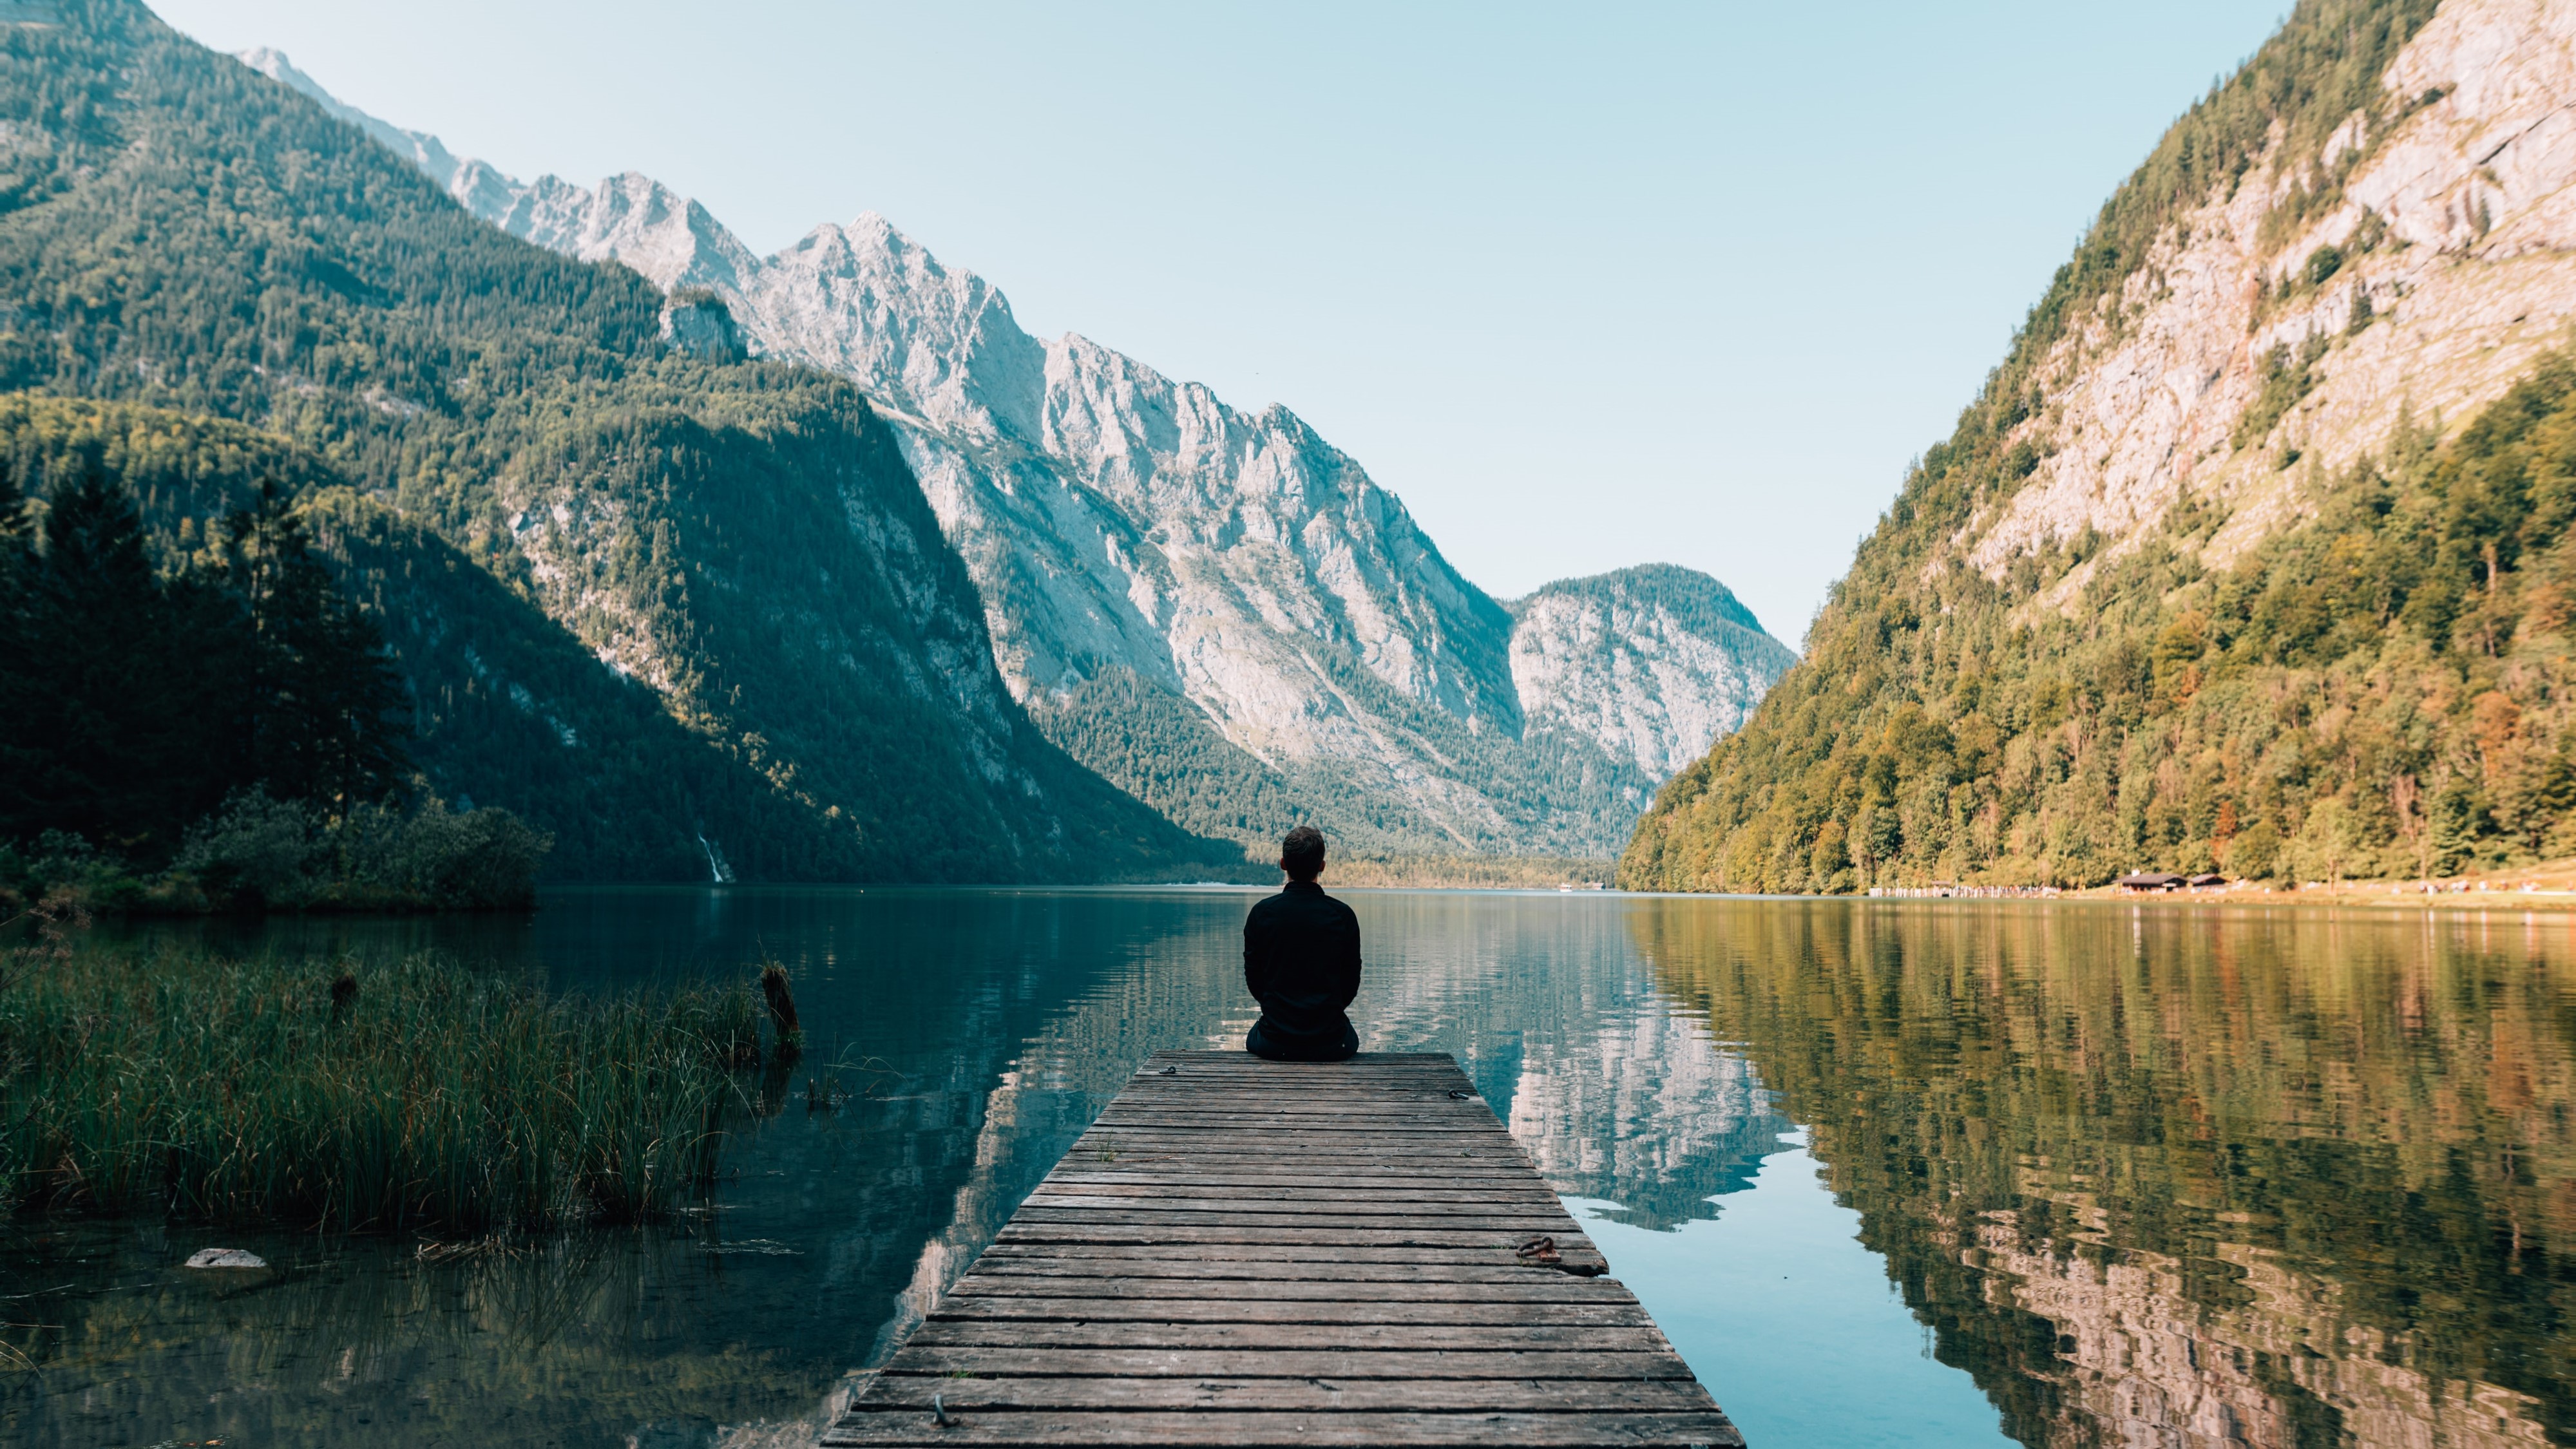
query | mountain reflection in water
(2183,1177)
(2151,1176)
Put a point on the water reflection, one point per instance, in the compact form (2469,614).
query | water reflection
(2164,1176)
(977,1032)
(2148,1177)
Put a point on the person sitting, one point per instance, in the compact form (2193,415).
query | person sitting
(1301,961)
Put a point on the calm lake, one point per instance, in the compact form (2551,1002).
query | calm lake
(1919,1173)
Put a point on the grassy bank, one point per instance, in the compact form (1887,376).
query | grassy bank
(421,1095)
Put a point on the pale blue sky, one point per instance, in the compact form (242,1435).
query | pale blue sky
(1587,286)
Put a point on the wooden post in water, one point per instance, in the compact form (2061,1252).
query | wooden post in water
(1247,1253)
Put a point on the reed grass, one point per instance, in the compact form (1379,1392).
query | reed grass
(419,1095)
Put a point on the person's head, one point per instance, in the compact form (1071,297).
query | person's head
(1302,853)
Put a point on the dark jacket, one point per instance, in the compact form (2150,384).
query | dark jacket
(1301,961)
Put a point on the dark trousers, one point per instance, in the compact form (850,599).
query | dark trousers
(1328,1049)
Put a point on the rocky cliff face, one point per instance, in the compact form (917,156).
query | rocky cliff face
(1652,663)
(2437,279)
(2255,552)
(1123,526)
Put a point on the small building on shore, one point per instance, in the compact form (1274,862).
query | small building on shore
(2143,881)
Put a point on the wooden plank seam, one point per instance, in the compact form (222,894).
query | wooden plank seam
(1249,1253)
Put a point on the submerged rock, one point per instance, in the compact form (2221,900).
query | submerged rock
(225,1258)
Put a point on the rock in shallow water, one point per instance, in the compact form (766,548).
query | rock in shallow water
(226,1258)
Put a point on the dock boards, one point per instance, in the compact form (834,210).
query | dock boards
(1249,1253)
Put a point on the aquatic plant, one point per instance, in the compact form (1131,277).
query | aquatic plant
(417,1095)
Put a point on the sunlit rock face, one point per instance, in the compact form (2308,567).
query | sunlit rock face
(2456,236)
(1654,663)
(1114,519)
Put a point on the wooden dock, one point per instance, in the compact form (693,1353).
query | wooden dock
(1248,1253)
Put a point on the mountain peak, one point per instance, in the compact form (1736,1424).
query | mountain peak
(1657,662)
(1701,600)
(1129,531)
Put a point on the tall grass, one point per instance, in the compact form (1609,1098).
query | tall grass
(432,1096)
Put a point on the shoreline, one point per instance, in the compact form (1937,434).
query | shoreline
(2546,886)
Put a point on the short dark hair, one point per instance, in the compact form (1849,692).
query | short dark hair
(1302,853)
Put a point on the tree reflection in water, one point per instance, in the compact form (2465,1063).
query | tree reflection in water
(2187,1177)
(2154,1176)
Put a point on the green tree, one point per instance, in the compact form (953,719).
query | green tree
(325,712)
(120,732)
(2282,712)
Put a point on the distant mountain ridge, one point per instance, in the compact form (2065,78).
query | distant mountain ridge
(1292,630)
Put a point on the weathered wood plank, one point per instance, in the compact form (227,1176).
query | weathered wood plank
(1368,1171)
(1220,1260)
(1319,1129)
(1165,1159)
(896,1429)
(1332,1395)
(1429,1098)
(1244,1150)
(1245,1253)
(1451,1312)
(1323,1116)
(1540,1288)
(1348,1205)
(1418,1235)
(1636,1334)
(1231,1253)
(1352,1179)
(1155,1181)
(1198,1060)
(1577,1253)
(1500,1220)
(1151,1156)
(1374,1188)
(1322,1270)
(1292,1363)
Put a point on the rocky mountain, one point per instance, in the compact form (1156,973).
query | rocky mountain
(2253,554)
(1651,663)
(687,612)
(1166,578)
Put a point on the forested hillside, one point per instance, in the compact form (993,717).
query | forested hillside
(689,613)
(2205,578)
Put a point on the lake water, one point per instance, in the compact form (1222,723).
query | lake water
(1922,1173)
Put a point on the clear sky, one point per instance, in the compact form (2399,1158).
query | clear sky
(1586,285)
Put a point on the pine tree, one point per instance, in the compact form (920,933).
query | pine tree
(18,682)
(109,736)
(326,714)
